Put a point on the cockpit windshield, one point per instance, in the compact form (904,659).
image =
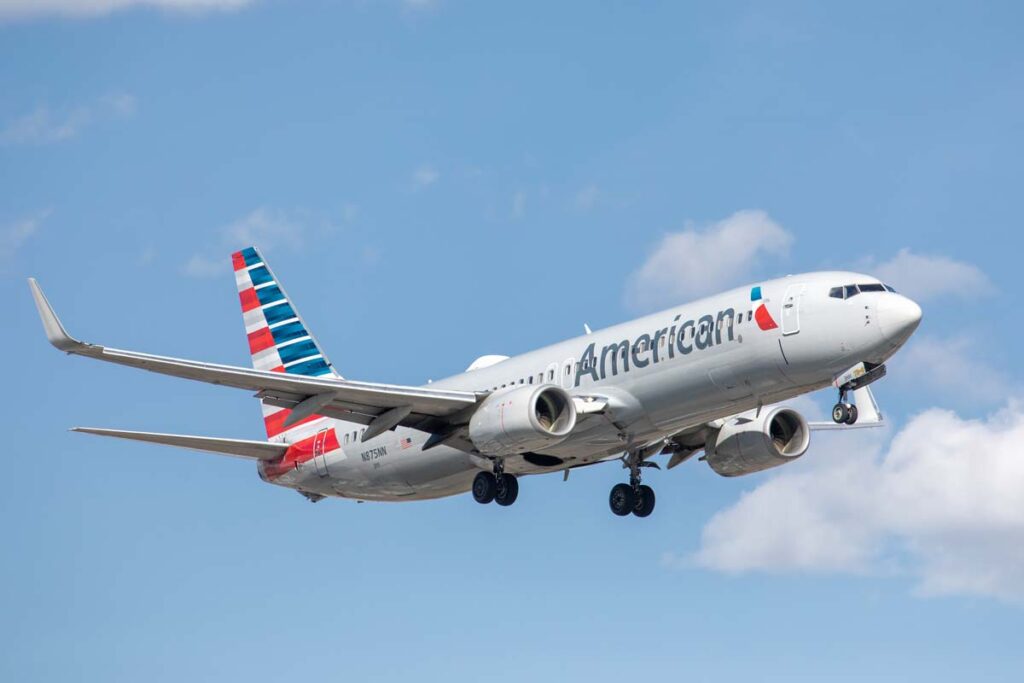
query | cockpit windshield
(848,291)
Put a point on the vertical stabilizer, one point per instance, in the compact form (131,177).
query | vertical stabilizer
(279,340)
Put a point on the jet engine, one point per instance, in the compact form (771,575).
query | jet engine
(746,445)
(522,419)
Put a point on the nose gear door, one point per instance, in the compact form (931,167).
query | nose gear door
(791,309)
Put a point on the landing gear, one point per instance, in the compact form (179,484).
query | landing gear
(633,497)
(485,487)
(497,486)
(508,490)
(622,500)
(644,501)
(844,412)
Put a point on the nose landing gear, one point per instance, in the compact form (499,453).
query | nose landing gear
(633,497)
(499,487)
(844,412)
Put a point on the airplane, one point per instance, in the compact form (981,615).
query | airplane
(705,377)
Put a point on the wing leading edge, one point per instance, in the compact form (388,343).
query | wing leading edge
(361,402)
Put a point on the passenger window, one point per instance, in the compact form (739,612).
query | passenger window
(672,338)
(530,379)
(568,370)
(551,375)
(346,438)
(540,378)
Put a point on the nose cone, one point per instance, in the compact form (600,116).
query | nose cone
(898,317)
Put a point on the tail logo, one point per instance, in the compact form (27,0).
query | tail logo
(761,315)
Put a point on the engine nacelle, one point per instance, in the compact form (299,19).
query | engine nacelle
(744,446)
(522,419)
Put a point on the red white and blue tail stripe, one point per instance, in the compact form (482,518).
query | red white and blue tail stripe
(278,339)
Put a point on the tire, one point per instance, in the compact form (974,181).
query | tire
(852,417)
(622,500)
(508,490)
(644,501)
(485,487)
(840,413)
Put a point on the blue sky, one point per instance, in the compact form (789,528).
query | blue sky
(438,180)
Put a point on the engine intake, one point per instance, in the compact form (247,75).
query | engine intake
(744,446)
(521,419)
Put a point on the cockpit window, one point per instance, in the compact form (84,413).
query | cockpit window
(849,291)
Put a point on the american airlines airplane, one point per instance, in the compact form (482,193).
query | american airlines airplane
(702,377)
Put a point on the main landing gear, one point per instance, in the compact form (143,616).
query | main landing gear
(633,497)
(499,487)
(844,412)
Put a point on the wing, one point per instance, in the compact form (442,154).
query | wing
(381,406)
(241,448)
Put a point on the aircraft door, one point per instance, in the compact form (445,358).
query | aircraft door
(319,461)
(791,309)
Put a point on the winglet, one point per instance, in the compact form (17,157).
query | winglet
(55,331)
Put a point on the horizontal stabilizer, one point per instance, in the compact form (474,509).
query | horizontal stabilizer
(240,448)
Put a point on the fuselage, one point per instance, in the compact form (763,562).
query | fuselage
(660,375)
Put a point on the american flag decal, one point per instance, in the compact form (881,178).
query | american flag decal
(405,443)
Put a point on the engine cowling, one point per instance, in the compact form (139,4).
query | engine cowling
(522,419)
(744,445)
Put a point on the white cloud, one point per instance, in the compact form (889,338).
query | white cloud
(14,235)
(953,366)
(696,261)
(265,228)
(587,197)
(924,277)
(425,176)
(77,9)
(943,503)
(44,125)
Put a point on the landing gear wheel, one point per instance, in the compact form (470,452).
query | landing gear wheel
(644,505)
(841,413)
(851,418)
(622,500)
(508,490)
(485,487)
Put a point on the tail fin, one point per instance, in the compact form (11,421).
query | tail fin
(279,340)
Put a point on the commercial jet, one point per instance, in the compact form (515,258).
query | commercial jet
(705,377)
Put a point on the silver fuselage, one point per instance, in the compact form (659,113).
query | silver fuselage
(655,384)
